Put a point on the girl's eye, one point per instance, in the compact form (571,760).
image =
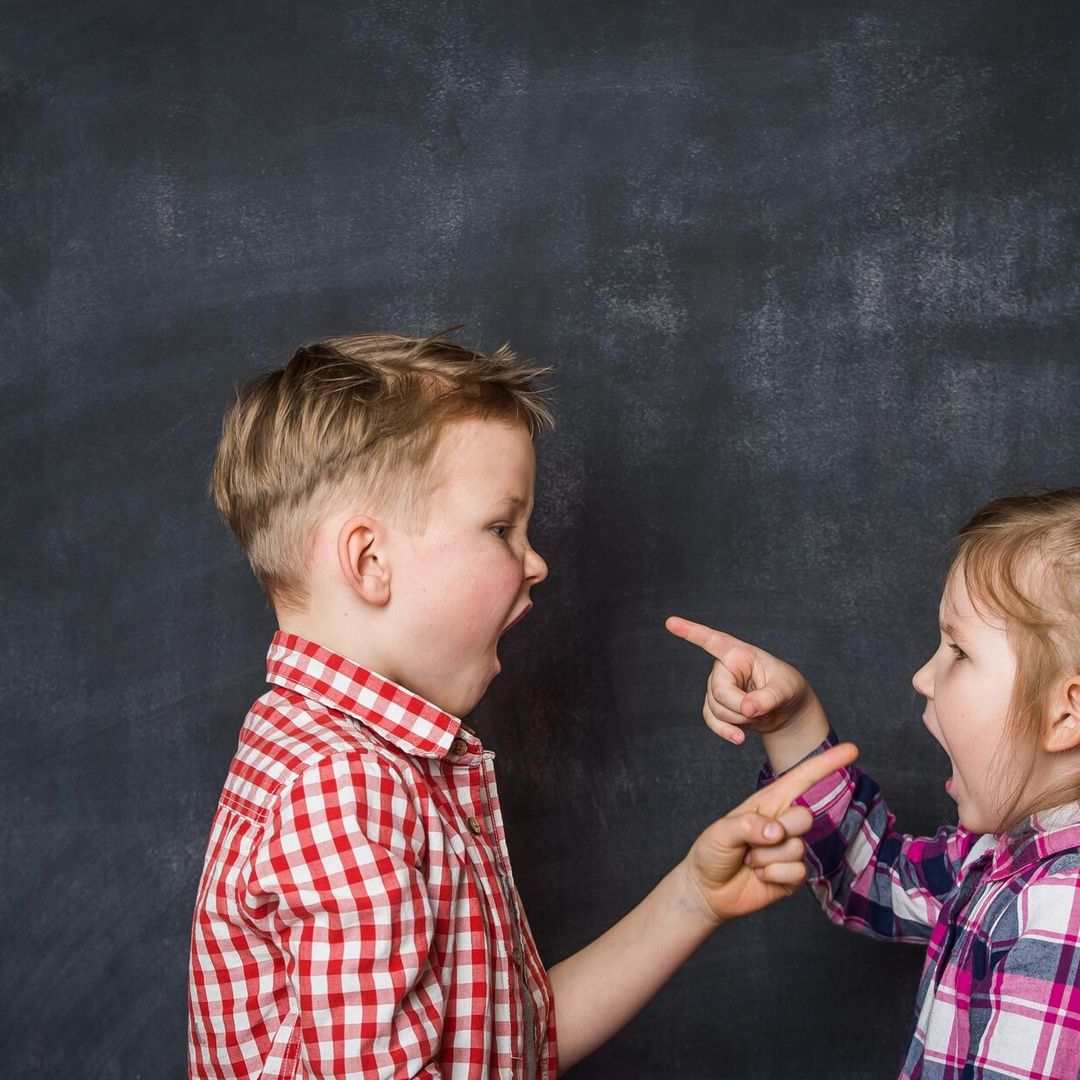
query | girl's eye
(499,530)
(957,651)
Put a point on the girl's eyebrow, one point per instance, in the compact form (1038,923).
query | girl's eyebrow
(949,630)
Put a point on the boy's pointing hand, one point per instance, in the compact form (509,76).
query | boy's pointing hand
(766,825)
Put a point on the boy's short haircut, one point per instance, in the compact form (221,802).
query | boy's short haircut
(358,417)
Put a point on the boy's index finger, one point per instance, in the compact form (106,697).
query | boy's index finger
(781,793)
(714,642)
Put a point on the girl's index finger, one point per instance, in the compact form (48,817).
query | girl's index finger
(714,642)
(781,793)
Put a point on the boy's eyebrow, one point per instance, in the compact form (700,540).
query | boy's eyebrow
(511,502)
(947,629)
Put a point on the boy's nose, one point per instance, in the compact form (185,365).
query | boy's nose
(923,682)
(535,567)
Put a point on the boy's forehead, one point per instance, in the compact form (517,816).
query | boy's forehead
(474,435)
(490,456)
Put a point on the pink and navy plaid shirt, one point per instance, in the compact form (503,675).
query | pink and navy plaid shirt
(357,915)
(1000,991)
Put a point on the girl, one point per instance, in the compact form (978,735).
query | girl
(998,898)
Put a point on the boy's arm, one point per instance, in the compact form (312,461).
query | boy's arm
(351,920)
(600,988)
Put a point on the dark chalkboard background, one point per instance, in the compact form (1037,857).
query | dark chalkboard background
(808,273)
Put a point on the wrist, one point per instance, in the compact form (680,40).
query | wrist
(804,732)
(691,897)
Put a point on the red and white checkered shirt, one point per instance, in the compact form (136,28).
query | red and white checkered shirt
(357,915)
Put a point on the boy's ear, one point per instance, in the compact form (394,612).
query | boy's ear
(1063,730)
(363,559)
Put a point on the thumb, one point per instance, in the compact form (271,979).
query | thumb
(727,839)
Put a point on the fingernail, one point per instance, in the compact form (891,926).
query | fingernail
(773,832)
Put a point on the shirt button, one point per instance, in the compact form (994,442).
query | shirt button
(458,747)
(474,826)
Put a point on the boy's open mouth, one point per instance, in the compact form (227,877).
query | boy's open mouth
(516,619)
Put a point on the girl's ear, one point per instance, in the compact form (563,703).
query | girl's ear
(1063,730)
(362,557)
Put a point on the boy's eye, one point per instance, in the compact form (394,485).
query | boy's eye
(957,651)
(499,530)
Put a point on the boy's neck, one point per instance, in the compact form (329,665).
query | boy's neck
(343,635)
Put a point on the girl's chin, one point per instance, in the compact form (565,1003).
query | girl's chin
(972,821)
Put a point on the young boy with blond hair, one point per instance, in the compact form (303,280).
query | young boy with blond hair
(357,914)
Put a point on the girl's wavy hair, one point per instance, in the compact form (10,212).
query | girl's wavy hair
(1020,557)
(359,416)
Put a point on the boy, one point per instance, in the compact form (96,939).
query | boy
(357,914)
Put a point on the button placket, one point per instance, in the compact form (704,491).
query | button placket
(517,953)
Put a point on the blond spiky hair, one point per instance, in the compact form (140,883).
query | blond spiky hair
(356,415)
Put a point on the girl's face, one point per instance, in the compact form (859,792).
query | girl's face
(968,684)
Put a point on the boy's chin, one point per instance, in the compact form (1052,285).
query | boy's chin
(465,700)
(455,691)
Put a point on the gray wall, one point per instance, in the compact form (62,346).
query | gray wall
(808,276)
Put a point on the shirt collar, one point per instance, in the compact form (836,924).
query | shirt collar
(1043,835)
(399,716)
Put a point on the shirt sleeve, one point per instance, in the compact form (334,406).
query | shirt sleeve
(866,875)
(337,886)
(1025,1018)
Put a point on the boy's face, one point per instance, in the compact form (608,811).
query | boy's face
(459,584)
(968,684)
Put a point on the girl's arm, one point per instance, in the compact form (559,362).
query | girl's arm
(866,874)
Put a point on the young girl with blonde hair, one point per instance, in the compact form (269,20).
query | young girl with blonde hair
(997,898)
